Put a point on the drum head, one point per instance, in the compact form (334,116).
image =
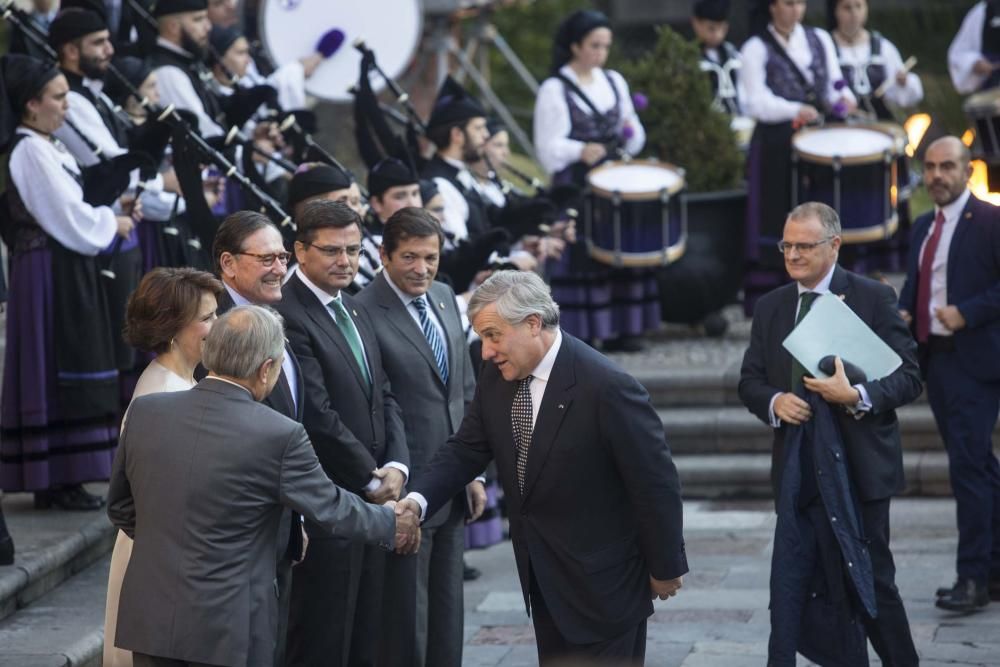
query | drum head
(635,181)
(290,29)
(985,102)
(850,144)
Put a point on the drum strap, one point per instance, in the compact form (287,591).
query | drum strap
(813,96)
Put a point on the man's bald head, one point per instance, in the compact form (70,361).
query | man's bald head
(947,169)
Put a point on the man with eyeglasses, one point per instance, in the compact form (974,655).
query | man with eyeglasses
(774,387)
(251,260)
(355,425)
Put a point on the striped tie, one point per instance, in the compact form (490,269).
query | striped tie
(433,337)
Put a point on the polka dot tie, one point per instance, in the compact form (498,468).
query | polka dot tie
(520,417)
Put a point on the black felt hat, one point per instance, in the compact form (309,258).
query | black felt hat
(135,70)
(454,105)
(389,173)
(167,7)
(222,38)
(316,178)
(711,10)
(21,79)
(74,23)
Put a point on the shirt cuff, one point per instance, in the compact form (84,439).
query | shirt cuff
(481,479)
(775,422)
(863,406)
(401,467)
(419,499)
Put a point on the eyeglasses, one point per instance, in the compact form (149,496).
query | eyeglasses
(336,251)
(269,259)
(802,248)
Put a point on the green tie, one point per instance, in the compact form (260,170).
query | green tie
(351,334)
(806,300)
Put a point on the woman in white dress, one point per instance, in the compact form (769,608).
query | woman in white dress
(169,315)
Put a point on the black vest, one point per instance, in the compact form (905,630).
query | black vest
(864,81)
(103,105)
(478,221)
(196,72)
(729,68)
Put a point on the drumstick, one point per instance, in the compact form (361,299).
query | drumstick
(910,63)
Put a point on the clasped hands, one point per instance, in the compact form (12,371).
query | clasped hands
(664,588)
(407,525)
(949,316)
(835,389)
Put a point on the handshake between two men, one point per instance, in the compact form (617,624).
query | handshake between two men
(407,527)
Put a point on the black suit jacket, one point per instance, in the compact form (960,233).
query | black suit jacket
(353,432)
(872,442)
(601,510)
(432,410)
(973,280)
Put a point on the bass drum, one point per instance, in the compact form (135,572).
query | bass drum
(290,30)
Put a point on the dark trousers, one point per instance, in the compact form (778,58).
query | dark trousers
(143,660)
(422,608)
(890,632)
(336,604)
(554,650)
(284,581)
(965,410)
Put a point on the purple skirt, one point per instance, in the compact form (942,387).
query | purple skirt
(38,449)
(488,529)
(597,302)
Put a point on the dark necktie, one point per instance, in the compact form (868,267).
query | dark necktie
(353,340)
(520,417)
(433,337)
(806,300)
(923,313)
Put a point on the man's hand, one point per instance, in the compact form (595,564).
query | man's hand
(125,225)
(476,492)
(305,544)
(407,527)
(665,588)
(391,486)
(907,318)
(950,317)
(836,389)
(791,409)
(983,67)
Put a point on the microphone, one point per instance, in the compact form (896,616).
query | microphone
(330,42)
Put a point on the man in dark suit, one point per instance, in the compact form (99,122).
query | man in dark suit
(251,261)
(426,357)
(865,412)
(592,492)
(199,586)
(357,429)
(951,299)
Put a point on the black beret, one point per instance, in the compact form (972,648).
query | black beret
(428,190)
(74,23)
(454,105)
(222,38)
(711,10)
(167,7)
(316,178)
(389,173)
(135,70)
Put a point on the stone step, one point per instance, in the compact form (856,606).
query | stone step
(731,429)
(50,547)
(749,475)
(63,628)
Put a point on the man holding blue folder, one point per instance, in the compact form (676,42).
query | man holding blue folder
(773,386)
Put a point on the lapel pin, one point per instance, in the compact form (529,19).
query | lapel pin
(968,215)
(441,304)
(841,296)
(561,406)
(355,312)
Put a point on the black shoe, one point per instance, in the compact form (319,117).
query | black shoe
(6,550)
(470,573)
(624,344)
(941,592)
(74,498)
(967,595)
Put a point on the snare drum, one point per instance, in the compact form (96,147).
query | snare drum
(983,110)
(628,217)
(853,169)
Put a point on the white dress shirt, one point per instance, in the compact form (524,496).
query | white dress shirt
(939,265)
(176,88)
(862,406)
(759,102)
(966,49)
(456,208)
(554,148)
(84,115)
(40,170)
(859,56)
(539,381)
(326,299)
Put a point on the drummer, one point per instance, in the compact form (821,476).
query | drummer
(583,116)
(974,54)
(867,60)
(789,79)
(719,58)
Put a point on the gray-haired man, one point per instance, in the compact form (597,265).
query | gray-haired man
(593,495)
(199,482)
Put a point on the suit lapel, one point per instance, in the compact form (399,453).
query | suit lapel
(398,316)
(555,404)
(784,322)
(323,318)
(955,255)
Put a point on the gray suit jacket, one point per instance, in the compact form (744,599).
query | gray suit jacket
(199,481)
(432,411)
